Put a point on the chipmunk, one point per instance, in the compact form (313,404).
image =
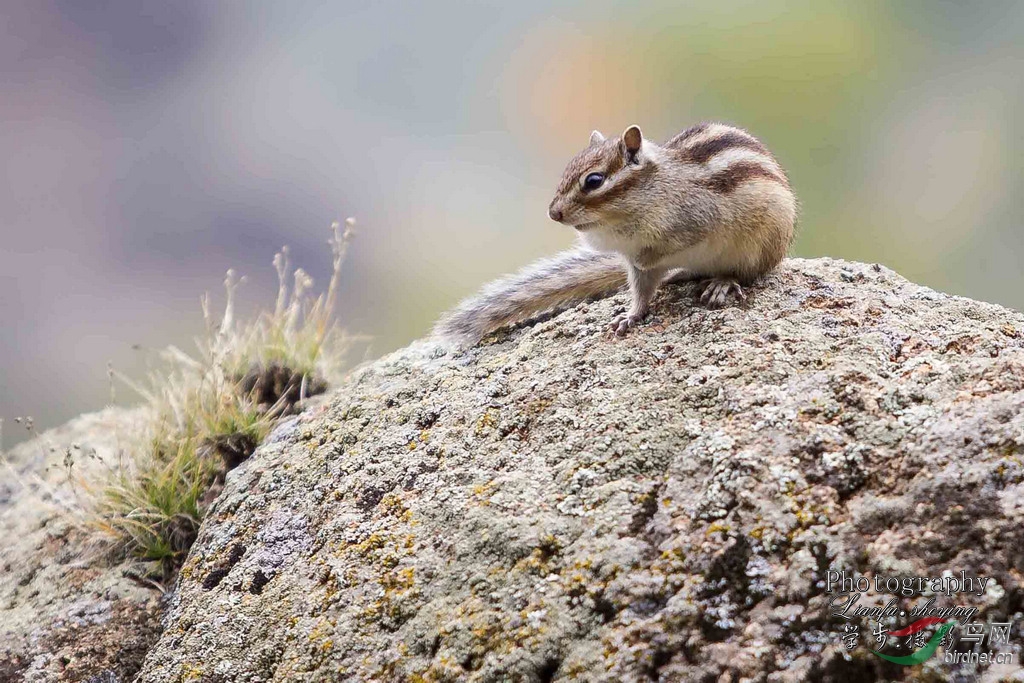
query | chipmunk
(710,204)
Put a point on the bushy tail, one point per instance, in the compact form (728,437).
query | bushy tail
(566,278)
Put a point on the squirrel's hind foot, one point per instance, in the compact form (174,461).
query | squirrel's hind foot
(718,292)
(624,323)
(627,321)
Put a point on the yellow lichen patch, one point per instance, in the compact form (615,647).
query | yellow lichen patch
(321,638)
(670,565)
(581,581)
(187,571)
(383,553)
(540,560)
(190,672)
(808,512)
(718,527)
(372,543)
(575,670)
(423,437)
(399,581)
(489,420)
(483,492)
(673,555)
(392,504)
(443,669)
(537,406)
(491,632)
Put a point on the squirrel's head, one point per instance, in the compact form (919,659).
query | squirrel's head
(598,187)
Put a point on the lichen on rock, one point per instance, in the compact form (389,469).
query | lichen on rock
(558,504)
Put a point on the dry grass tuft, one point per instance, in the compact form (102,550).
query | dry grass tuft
(207,412)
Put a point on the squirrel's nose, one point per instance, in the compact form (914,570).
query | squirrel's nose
(554,214)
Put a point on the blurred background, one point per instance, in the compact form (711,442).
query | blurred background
(148,146)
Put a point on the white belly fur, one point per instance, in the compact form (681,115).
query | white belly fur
(711,257)
(703,258)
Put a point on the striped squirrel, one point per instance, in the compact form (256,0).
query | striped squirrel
(711,204)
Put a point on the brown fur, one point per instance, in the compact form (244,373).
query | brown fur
(701,152)
(731,177)
(688,134)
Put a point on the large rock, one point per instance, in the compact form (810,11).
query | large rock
(563,505)
(559,504)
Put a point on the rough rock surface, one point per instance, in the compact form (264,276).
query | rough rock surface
(558,504)
(65,613)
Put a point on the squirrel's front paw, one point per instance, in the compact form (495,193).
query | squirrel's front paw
(622,324)
(718,292)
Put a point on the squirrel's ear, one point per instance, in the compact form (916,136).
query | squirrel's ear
(596,138)
(632,139)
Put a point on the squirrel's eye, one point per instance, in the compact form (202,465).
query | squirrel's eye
(593,181)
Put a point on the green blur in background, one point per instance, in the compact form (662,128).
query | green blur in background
(158,144)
